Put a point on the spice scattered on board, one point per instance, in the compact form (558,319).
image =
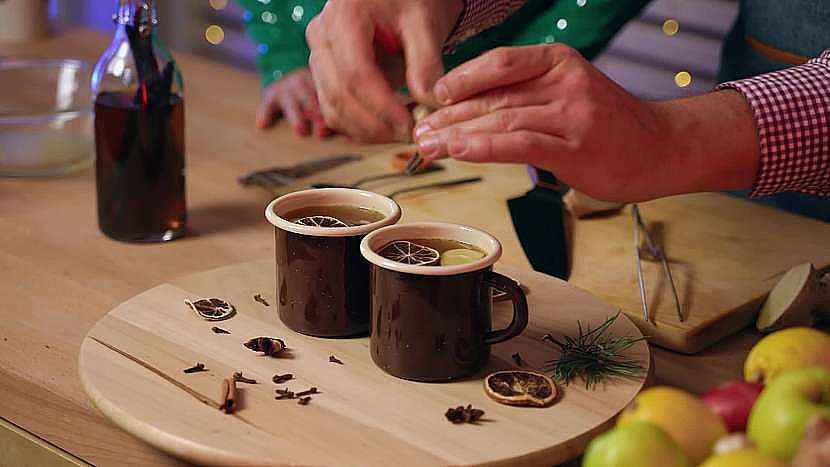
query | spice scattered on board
(258,298)
(334,359)
(517,359)
(270,346)
(284,394)
(279,379)
(238,377)
(218,330)
(307,392)
(195,368)
(463,414)
(211,309)
(228,398)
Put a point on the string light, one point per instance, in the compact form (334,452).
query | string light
(670,27)
(683,79)
(268,17)
(214,34)
(297,13)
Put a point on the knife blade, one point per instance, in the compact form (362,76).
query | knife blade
(539,221)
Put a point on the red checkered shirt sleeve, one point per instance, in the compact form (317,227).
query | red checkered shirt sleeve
(792,114)
(479,15)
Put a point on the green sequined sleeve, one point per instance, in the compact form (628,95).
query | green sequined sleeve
(277,27)
(586,25)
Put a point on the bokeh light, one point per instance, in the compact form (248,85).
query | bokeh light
(683,79)
(268,17)
(214,34)
(670,27)
(218,4)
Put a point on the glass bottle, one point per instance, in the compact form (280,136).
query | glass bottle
(139,131)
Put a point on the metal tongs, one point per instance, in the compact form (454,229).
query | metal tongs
(657,252)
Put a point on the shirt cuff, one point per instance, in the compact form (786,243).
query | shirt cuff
(479,15)
(791,108)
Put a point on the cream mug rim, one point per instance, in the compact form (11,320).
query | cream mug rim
(460,232)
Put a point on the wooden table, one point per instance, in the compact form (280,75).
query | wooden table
(59,275)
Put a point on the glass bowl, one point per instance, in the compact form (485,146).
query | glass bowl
(45,116)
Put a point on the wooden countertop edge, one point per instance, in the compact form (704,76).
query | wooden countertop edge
(70,426)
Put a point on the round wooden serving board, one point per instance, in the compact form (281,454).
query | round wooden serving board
(131,366)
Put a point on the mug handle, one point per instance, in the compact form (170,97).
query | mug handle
(517,296)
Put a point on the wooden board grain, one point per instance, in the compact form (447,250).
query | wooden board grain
(362,415)
(726,253)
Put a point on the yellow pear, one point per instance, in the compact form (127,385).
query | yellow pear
(687,419)
(743,458)
(787,349)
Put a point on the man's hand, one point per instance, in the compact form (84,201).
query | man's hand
(295,98)
(547,106)
(348,41)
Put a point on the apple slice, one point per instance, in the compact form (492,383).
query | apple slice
(795,300)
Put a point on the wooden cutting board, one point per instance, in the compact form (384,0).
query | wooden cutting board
(362,416)
(726,252)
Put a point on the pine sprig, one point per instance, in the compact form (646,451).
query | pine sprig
(593,356)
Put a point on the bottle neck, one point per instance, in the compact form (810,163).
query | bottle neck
(141,13)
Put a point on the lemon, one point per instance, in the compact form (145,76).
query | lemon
(787,349)
(687,419)
(460,256)
(744,458)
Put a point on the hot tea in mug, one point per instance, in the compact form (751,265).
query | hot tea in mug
(322,283)
(431,297)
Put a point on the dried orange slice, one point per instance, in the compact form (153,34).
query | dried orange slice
(406,252)
(520,388)
(211,309)
(321,221)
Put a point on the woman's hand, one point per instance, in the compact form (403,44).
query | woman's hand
(547,106)
(354,42)
(294,98)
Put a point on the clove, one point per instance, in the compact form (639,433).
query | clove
(218,330)
(284,394)
(258,298)
(304,400)
(270,346)
(517,359)
(334,359)
(195,368)
(313,390)
(237,376)
(279,379)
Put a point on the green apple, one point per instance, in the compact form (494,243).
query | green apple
(780,414)
(641,444)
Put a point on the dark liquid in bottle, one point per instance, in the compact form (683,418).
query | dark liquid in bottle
(140,168)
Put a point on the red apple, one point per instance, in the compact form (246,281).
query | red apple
(732,401)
